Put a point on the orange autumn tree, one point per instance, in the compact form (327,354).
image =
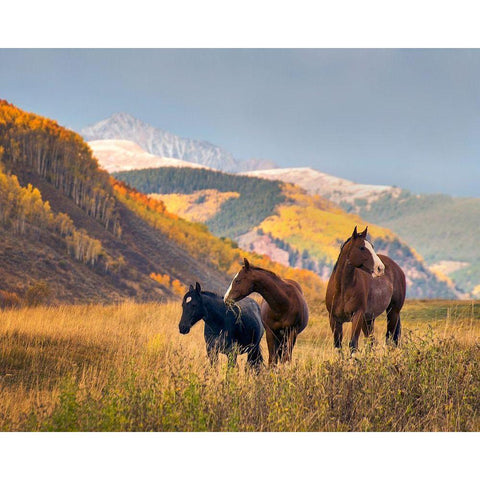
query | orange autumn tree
(174,284)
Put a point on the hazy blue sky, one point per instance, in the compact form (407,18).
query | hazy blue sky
(399,117)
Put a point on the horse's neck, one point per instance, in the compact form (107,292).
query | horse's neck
(272,289)
(214,317)
(345,273)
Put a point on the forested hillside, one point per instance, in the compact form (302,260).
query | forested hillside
(62,228)
(72,234)
(282,221)
(257,198)
(220,253)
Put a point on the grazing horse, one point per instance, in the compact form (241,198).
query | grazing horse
(284,311)
(226,331)
(362,286)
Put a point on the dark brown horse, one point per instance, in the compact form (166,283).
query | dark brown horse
(362,286)
(284,311)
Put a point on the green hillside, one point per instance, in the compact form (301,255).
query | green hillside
(258,198)
(439,227)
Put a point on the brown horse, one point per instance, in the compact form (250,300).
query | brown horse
(362,286)
(284,311)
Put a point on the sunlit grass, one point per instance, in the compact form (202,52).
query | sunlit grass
(126,367)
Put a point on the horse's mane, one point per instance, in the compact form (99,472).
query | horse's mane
(341,248)
(265,270)
(210,294)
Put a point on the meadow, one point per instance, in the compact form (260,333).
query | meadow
(125,367)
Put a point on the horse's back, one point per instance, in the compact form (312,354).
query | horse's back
(303,307)
(397,276)
(295,284)
(250,317)
(296,316)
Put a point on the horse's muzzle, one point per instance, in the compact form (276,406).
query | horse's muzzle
(183,329)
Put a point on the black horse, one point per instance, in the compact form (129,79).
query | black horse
(228,331)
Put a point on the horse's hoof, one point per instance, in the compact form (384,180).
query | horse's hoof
(354,352)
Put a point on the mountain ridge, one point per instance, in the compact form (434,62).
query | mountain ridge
(123,126)
(112,156)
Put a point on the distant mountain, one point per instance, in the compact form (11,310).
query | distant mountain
(443,229)
(122,155)
(333,188)
(255,164)
(122,126)
(279,220)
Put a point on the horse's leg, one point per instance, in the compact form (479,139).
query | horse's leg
(289,342)
(212,353)
(394,327)
(368,327)
(272,351)
(254,357)
(280,345)
(337,330)
(357,323)
(286,345)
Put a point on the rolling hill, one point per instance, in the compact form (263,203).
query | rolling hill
(280,220)
(122,126)
(336,189)
(73,233)
(443,229)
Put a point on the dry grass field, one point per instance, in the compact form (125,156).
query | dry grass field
(126,368)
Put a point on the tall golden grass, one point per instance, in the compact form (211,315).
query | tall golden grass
(126,368)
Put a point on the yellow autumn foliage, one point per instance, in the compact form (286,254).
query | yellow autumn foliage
(202,245)
(199,206)
(309,222)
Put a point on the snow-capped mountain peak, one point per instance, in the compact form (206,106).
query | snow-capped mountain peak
(123,155)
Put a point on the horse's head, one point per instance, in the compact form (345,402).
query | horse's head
(193,309)
(360,254)
(242,284)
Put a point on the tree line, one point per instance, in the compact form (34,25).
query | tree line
(23,212)
(61,157)
(257,200)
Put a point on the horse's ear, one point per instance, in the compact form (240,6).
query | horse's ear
(246,264)
(191,289)
(198,288)
(355,233)
(364,233)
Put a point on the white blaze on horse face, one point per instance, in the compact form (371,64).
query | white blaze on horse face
(227,293)
(378,266)
(188,300)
